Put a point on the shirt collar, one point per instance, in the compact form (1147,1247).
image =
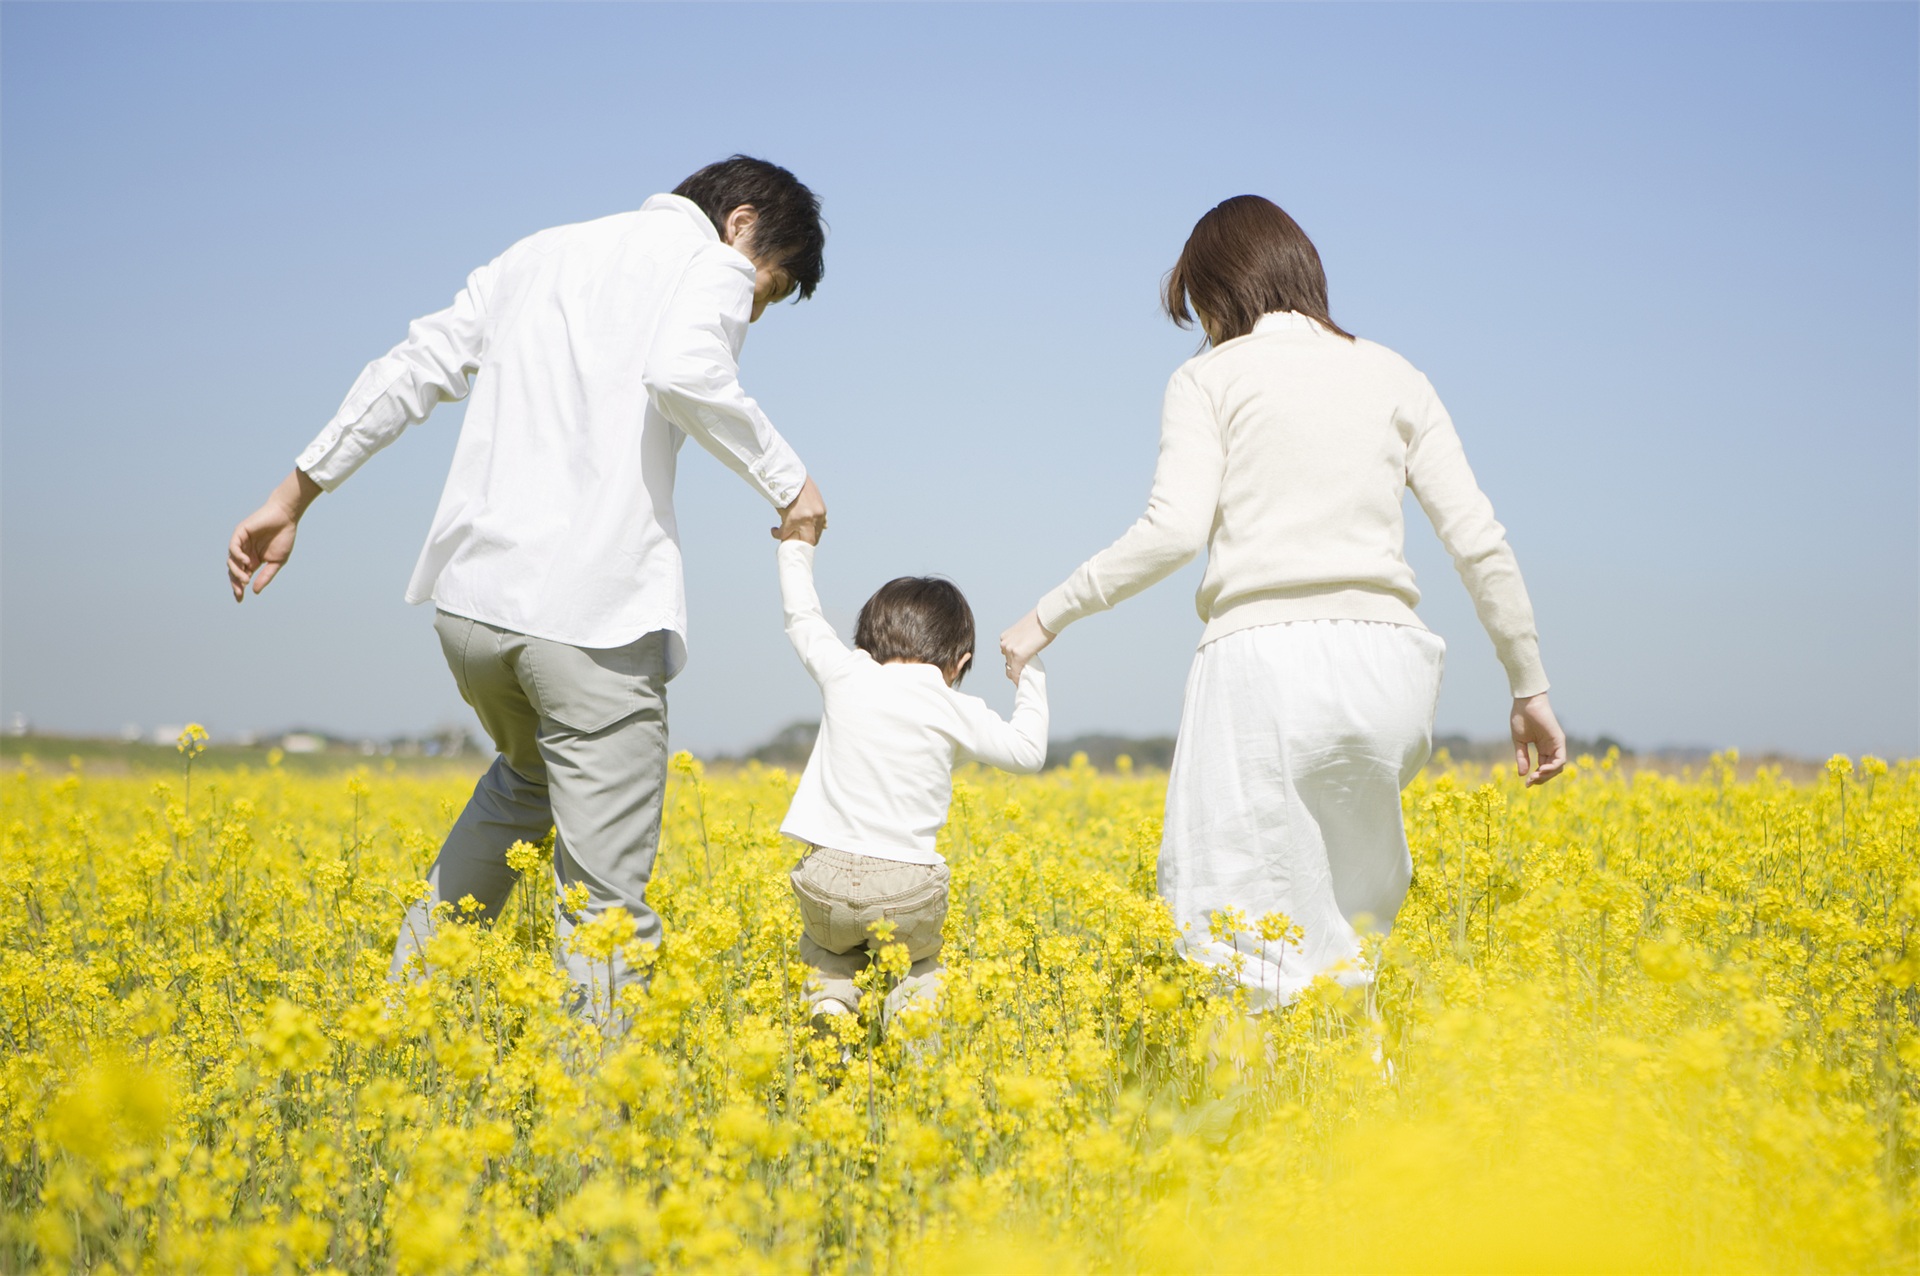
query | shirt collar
(681,204)
(917,669)
(1286,321)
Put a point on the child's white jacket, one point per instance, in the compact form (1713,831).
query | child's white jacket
(881,775)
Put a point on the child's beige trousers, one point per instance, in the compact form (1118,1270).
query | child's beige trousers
(841,896)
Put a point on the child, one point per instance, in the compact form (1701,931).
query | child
(875,791)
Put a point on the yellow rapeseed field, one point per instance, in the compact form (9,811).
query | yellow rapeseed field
(1627,1022)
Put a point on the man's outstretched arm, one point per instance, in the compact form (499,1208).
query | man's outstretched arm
(264,539)
(435,364)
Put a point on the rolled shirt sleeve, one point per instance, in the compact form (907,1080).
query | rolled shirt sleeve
(434,365)
(693,375)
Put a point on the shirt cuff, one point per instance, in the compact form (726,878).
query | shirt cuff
(330,460)
(1059,607)
(780,474)
(1526,676)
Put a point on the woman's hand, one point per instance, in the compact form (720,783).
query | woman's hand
(1533,724)
(1022,643)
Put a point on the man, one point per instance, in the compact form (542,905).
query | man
(592,352)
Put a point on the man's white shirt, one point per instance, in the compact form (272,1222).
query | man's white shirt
(592,351)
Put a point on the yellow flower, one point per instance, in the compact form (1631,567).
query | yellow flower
(524,857)
(290,1039)
(112,1108)
(1275,928)
(454,950)
(605,934)
(1654,1014)
(1022,1092)
(1667,959)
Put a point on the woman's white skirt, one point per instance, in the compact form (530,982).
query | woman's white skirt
(1283,807)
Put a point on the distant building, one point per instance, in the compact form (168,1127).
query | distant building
(445,742)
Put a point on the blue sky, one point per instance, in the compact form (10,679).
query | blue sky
(1660,261)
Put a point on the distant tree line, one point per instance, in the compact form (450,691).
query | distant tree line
(793,744)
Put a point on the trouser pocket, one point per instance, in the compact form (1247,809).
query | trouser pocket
(455,632)
(841,896)
(587,689)
(921,925)
(826,919)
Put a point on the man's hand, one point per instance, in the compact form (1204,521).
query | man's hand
(805,518)
(1533,724)
(264,540)
(1022,643)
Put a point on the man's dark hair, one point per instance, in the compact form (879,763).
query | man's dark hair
(1244,259)
(789,229)
(920,618)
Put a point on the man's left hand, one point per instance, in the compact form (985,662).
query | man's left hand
(805,518)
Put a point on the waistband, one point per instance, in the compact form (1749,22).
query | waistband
(1280,606)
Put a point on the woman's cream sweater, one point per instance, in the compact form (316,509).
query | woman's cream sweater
(1286,453)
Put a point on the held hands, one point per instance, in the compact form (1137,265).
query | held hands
(1533,724)
(1022,643)
(264,540)
(805,518)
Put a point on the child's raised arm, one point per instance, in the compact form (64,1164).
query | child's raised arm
(821,650)
(1019,744)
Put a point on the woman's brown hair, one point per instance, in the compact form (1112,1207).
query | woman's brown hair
(1244,259)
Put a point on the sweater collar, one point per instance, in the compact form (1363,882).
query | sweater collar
(681,204)
(1286,321)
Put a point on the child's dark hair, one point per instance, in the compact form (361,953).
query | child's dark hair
(789,229)
(923,619)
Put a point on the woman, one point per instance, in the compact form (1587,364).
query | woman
(1285,449)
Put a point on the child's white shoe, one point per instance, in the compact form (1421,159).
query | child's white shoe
(826,1010)
(1383,1061)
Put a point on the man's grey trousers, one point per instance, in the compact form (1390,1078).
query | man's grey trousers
(582,735)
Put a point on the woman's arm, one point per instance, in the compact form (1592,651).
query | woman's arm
(1461,514)
(1180,510)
